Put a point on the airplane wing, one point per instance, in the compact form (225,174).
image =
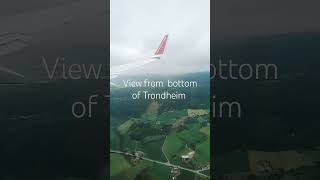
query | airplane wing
(10,43)
(19,30)
(116,71)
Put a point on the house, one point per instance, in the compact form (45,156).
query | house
(188,157)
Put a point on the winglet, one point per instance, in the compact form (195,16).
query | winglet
(161,47)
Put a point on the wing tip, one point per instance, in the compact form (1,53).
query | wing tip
(161,47)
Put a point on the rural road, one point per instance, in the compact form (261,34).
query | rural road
(163,163)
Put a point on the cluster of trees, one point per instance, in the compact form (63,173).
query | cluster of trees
(138,131)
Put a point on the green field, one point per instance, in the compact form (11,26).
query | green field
(124,128)
(152,111)
(203,152)
(153,138)
(205,130)
(128,143)
(128,173)
(313,156)
(119,164)
(233,162)
(159,172)
(114,140)
(171,116)
(172,145)
(153,150)
(170,133)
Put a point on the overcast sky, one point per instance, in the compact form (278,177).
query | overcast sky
(234,19)
(137,28)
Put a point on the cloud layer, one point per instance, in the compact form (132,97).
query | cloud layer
(137,28)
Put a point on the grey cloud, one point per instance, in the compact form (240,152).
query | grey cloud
(246,18)
(137,28)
